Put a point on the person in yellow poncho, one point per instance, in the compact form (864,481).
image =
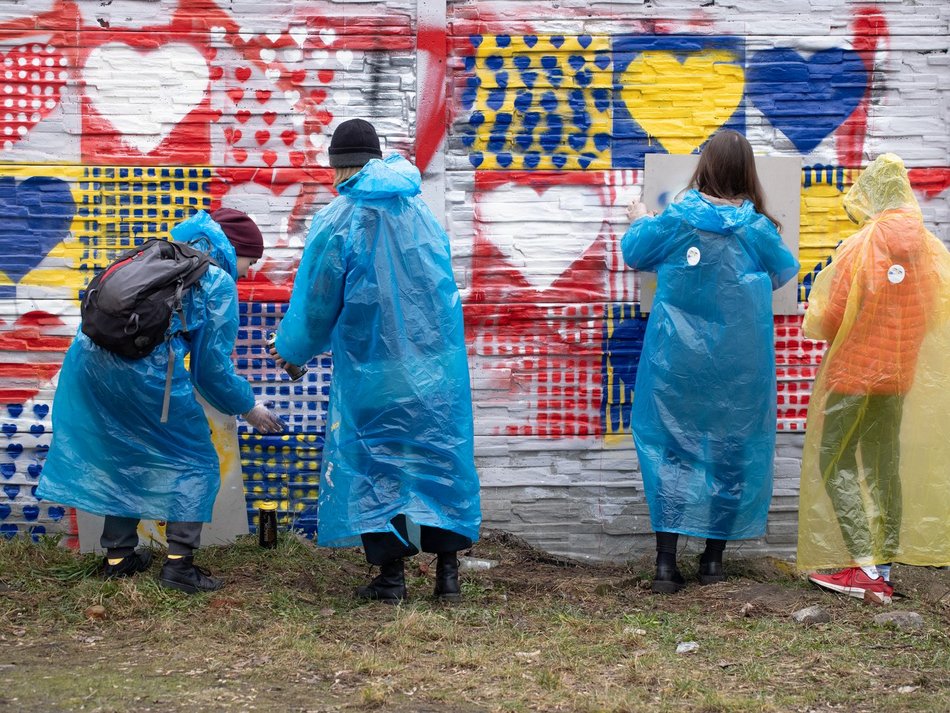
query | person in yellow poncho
(875,485)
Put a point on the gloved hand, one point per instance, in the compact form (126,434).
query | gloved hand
(264,420)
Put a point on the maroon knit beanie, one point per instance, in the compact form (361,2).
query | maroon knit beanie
(243,233)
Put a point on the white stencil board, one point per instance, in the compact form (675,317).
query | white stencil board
(666,177)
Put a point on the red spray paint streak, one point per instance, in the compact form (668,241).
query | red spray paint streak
(432,120)
(72,535)
(870,31)
(22,380)
(930,181)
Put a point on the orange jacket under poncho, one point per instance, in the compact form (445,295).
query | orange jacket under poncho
(885,275)
(886,262)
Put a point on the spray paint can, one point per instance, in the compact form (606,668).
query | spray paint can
(267,524)
(295,372)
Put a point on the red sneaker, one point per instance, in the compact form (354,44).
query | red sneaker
(854,582)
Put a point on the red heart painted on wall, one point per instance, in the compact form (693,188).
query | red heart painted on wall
(40,334)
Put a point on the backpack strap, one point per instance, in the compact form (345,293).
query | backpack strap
(170,371)
(168,381)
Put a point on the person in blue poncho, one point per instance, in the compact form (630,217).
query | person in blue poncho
(111,453)
(704,403)
(375,287)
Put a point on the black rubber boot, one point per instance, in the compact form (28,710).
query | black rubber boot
(389,587)
(667,580)
(138,561)
(710,562)
(447,578)
(185,576)
(710,572)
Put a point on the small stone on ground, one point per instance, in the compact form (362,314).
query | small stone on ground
(900,619)
(811,615)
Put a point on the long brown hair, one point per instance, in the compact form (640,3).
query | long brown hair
(727,170)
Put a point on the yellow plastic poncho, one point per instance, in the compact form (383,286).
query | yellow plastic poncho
(875,482)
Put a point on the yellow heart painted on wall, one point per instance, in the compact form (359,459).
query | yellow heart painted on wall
(682,103)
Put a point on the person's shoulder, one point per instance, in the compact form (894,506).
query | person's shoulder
(340,204)
(762,226)
(217,280)
(216,272)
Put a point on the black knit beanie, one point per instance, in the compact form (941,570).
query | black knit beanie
(354,143)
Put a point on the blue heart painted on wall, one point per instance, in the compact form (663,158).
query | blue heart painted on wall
(806,99)
(37,214)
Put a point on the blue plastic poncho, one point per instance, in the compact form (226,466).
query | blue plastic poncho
(704,404)
(375,286)
(110,453)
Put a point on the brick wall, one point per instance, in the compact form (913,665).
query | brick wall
(531,123)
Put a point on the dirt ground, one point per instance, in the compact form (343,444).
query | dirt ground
(533,633)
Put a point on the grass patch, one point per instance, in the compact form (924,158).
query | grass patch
(534,633)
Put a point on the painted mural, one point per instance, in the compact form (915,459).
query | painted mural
(530,123)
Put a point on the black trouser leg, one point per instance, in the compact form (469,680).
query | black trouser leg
(714,550)
(666,548)
(384,547)
(437,540)
(119,536)
(183,537)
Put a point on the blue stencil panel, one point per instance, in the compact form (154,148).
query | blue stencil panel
(284,468)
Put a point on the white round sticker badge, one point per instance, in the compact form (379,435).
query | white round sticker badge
(692,256)
(895,274)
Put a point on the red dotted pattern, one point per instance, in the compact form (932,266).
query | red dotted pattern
(796,360)
(33,77)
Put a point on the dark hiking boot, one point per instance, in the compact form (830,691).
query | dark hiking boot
(389,587)
(667,580)
(185,576)
(138,561)
(710,572)
(447,578)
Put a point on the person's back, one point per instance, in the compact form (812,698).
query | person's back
(703,412)
(714,285)
(375,287)
(403,304)
(887,261)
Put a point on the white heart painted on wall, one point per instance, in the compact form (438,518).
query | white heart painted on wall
(541,232)
(168,82)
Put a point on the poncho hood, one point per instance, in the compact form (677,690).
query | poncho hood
(377,180)
(882,186)
(201,232)
(703,214)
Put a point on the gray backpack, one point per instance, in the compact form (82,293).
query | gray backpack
(127,308)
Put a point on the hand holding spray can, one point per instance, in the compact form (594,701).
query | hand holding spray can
(296,373)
